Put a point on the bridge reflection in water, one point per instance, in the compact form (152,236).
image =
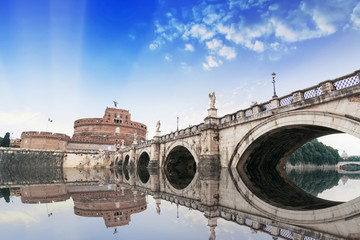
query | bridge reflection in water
(115,196)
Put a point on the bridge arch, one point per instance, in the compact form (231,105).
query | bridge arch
(257,162)
(179,167)
(142,163)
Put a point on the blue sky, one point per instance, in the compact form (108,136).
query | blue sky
(160,59)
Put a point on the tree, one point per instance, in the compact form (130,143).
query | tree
(315,153)
(352,159)
(5,192)
(6,140)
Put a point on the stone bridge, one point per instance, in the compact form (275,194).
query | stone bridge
(270,130)
(340,169)
(254,145)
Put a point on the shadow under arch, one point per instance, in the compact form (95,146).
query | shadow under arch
(125,166)
(260,156)
(142,170)
(180,167)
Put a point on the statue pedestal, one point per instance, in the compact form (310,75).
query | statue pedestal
(212,112)
(158,133)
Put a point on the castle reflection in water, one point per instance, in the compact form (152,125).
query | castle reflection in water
(114,203)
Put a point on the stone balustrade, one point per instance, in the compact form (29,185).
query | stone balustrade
(322,88)
(191,130)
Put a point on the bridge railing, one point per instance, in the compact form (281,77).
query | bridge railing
(191,130)
(340,83)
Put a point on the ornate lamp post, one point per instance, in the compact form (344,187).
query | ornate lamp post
(273,81)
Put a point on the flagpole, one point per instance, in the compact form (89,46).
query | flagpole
(47,123)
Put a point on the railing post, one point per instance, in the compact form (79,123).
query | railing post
(358,73)
(275,231)
(275,103)
(298,236)
(298,96)
(256,109)
(327,86)
(240,220)
(228,118)
(241,114)
(256,225)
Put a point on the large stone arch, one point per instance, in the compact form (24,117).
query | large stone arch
(190,148)
(174,151)
(141,167)
(256,165)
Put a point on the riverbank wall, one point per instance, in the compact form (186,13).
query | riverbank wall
(15,158)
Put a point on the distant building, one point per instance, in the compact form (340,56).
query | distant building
(106,133)
(344,155)
(15,142)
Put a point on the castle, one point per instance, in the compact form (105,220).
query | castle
(108,133)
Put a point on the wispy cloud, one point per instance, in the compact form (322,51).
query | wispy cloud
(355,17)
(224,29)
(168,58)
(189,47)
(211,62)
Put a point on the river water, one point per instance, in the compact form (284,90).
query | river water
(44,209)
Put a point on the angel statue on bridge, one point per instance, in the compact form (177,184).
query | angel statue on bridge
(212,99)
(158,126)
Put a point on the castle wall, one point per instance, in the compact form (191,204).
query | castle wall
(115,126)
(90,146)
(44,140)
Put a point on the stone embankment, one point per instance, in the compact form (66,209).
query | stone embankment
(15,158)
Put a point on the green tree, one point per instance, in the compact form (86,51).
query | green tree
(352,159)
(316,153)
(6,140)
(5,193)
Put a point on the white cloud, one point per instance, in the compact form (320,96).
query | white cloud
(284,32)
(217,46)
(355,16)
(214,44)
(201,32)
(322,22)
(258,46)
(211,18)
(154,45)
(274,28)
(211,62)
(275,46)
(227,52)
(189,47)
(274,7)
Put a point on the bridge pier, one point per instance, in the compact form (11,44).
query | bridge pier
(155,152)
(209,163)
(153,166)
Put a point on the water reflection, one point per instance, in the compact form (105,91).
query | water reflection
(116,198)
